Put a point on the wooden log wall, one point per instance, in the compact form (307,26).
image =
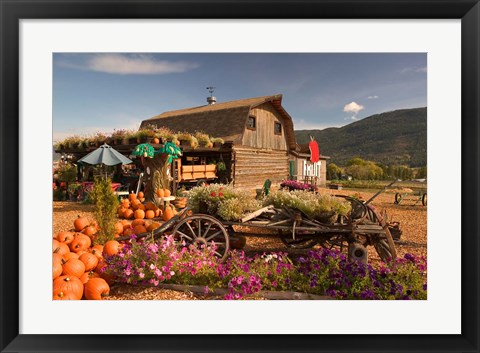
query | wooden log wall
(254,165)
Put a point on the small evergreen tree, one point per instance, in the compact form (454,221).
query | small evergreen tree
(105,213)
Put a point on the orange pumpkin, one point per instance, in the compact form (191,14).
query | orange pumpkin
(140,195)
(139,214)
(96,289)
(89,230)
(80,223)
(89,260)
(60,248)
(128,214)
(149,214)
(65,237)
(153,226)
(167,192)
(138,221)
(168,213)
(111,247)
(156,140)
(81,242)
(57,265)
(139,229)
(87,275)
(127,232)
(70,255)
(97,250)
(158,212)
(160,193)
(118,228)
(67,288)
(125,203)
(73,267)
(150,206)
(132,196)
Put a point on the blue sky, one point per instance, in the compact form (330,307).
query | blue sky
(102,92)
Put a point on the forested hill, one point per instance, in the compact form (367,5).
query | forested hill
(396,137)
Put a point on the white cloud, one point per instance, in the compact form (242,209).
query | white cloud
(122,64)
(353,107)
(302,124)
(372,97)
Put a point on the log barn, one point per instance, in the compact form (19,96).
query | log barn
(258,134)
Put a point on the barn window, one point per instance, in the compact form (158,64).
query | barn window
(277,129)
(252,123)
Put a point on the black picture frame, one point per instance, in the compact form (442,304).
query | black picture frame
(12,11)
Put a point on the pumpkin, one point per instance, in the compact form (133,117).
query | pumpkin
(87,275)
(136,204)
(153,226)
(167,192)
(81,242)
(96,289)
(102,274)
(121,210)
(127,232)
(139,214)
(138,222)
(141,206)
(125,203)
(111,247)
(140,195)
(67,288)
(60,248)
(128,213)
(89,260)
(149,214)
(57,265)
(156,140)
(73,267)
(139,229)
(97,250)
(150,206)
(118,228)
(80,223)
(158,212)
(160,193)
(89,230)
(168,213)
(70,255)
(132,196)
(65,237)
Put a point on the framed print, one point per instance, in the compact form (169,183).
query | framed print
(107,41)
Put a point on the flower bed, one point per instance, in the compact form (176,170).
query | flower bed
(322,272)
(296,185)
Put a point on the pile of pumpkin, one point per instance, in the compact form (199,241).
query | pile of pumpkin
(77,264)
(133,208)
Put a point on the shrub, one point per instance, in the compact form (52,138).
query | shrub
(106,203)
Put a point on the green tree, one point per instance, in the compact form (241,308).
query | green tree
(105,213)
(333,171)
(421,173)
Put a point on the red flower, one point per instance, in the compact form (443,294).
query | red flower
(212,194)
(220,194)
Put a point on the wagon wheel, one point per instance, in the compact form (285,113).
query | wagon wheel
(337,242)
(298,243)
(383,244)
(424,199)
(206,230)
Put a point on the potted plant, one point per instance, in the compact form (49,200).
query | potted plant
(118,136)
(217,141)
(187,140)
(203,139)
(145,135)
(131,137)
(100,138)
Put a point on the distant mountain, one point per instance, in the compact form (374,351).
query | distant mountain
(396,137)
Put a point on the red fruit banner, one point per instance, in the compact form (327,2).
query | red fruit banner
(314,151)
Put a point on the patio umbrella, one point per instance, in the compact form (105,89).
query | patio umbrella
(106,155)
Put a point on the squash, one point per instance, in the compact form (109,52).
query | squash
(111,247)
(60,248)
(67,288)
(138,222)
(139,214)
(118,228)
(132,196)
(167,213)
(149,214)
(81,242)
(73,267)
(160,193)
(89,230)
(57,266)
(156,140)
(96,289)
(140,195)
(70,255)
(140,229)
(87,276)
(65,237)
(128,214)
(89,260)
(80,223)
(167,192)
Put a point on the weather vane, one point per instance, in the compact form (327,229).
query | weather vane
(211,89)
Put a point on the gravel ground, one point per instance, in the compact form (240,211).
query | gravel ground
(412,218)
